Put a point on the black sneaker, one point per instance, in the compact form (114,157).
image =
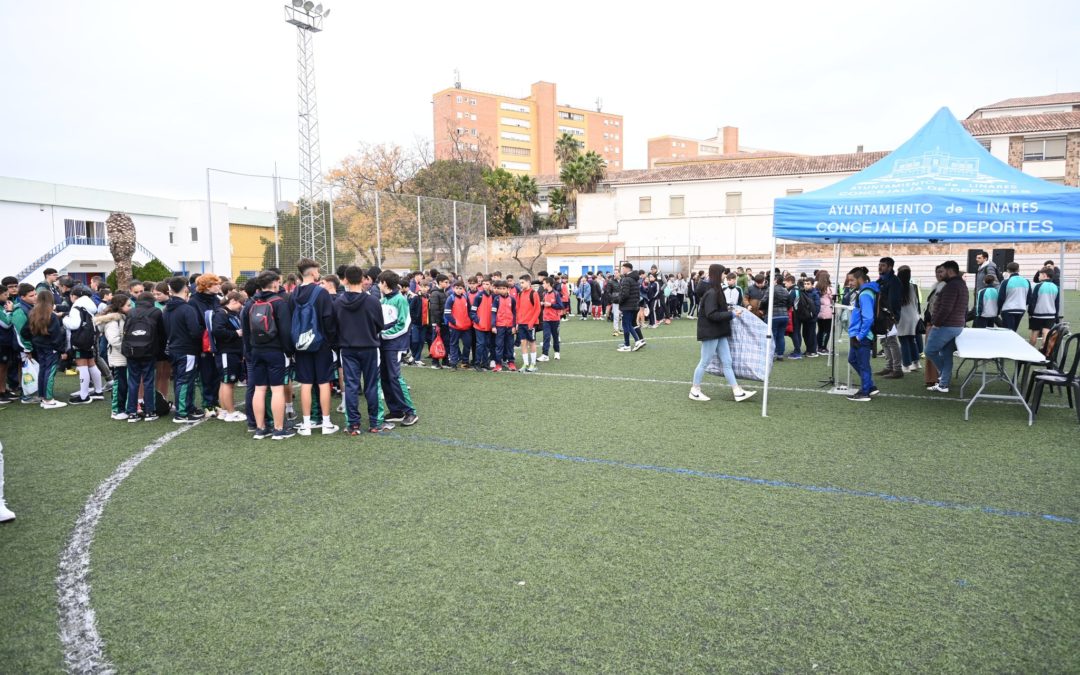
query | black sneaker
(184,419)
(133,419)
(78,400)
(353,431)
(197,413)
(152,417)
(261,434)
(251,429)
(874,392)
(282,434)
(410,419)
(859,397)
(97,396)
(395,417)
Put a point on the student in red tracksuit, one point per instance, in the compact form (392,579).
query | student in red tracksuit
(564,292)
(472,289)
(552,316)
(480,313)
(504,311)
(457,320)
(528,315)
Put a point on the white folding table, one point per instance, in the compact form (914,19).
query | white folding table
(986,346)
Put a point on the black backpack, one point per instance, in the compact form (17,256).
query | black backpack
(140,335)
(84,337)
(261,321)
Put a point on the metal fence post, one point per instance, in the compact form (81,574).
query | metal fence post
(378,233)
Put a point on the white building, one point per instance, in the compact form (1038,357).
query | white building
(63,227)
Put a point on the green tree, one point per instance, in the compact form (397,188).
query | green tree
(558,208)
(528,197)
(456,180)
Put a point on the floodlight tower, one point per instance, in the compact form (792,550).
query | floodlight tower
(308,19)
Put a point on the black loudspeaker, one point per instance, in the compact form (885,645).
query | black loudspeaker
(973,264)
(1002,257)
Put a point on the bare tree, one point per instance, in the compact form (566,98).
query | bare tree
(543,243)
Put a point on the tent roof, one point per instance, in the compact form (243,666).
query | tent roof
(939,186)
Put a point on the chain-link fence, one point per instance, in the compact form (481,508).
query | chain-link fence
(362,227)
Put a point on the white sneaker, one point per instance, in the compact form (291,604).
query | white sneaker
(542,358)
(119,416)
(303,429)
(742,395)
(6,514)
(51,405)
(491,364)
(556,356)
(341,407)
(625,348)
(328,429)
(698,396)
(235,416)
(639,344)
(938,388)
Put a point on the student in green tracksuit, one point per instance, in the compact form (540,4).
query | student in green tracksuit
(20,315)
(395,342)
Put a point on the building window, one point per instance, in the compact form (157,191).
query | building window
(794,191)
(511,150)
(459,114)
(605,135)
(676,206)
(573,131)
(516,166)
(473,117)
(474,132)
(91,232)
(172,235)
(1056,181)
(512,136)
(194,234)
(472,101)
(734,203)
(459,99)
(606,122)
(674,144)
(514,122)
(616,122)
(644,204)
(514,107)
(566,115)
(1039,149)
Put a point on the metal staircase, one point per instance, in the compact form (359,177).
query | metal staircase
(84,241)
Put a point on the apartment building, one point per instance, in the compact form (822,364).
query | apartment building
(519,134)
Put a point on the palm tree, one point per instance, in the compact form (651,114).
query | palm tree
(557,205)
(528,195)
(595,167)
(567,148)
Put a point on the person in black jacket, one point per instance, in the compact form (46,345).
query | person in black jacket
(360,320)
(183,346)
(891,298)
(714,332)
(227,337)
(629,298)
(267,326)
(205,300)
(436,304)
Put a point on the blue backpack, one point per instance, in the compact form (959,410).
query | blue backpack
(305,324)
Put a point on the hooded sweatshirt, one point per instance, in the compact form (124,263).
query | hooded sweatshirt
(182,330)
(862,316)
(324,310)
(360,320)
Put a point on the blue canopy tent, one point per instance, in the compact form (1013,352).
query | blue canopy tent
(941,186)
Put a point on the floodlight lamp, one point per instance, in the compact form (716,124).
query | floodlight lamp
(308,5)
(297,3)
(318,8)
(326,13)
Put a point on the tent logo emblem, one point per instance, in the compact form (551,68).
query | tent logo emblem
(936,164)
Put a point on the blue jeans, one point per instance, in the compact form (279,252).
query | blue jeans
(720,347)
(939,349)
(629,329)
(779,325)
(859,358)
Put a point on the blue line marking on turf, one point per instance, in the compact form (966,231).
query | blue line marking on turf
(695,473)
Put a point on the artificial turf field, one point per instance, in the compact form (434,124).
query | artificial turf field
(586,518)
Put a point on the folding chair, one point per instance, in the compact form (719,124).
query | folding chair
(1050,348)
(1064,375)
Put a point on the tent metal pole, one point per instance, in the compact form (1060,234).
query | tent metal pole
(1061,280)
(832,329)
(768,333)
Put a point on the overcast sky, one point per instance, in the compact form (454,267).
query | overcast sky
(144,96)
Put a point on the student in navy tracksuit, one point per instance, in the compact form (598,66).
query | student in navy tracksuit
(552,304)
(419,328)
(480,313)
(228,342)
(184,345)
(360,324)
(460,325)
(314,364)
(504,321)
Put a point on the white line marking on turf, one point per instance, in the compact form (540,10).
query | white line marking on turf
(802,390)
(83,647)
(619,339)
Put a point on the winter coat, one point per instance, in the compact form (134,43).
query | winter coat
(112,326)
(714,319)
(910,313)
(629,292)
(950,305)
